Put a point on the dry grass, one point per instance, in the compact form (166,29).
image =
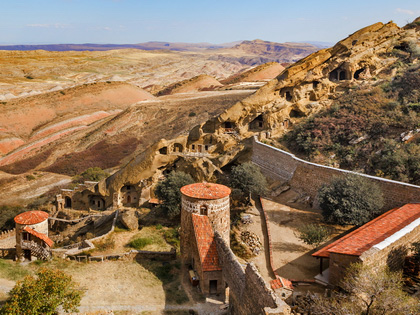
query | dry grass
(155,236)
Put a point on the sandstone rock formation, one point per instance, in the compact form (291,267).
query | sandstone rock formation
(199,83)
(301,90)
(266,71)
(129,219)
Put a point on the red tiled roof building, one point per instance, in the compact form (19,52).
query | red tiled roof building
(32,241)
(205,208)
(374,243)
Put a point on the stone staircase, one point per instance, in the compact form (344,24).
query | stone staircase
(37,250)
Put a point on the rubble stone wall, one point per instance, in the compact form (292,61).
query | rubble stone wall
(248,292)
(394,254)
(309,177)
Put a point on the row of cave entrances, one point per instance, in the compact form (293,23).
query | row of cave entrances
(340,74)
(128,197)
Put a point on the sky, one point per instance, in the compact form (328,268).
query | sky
(193,21)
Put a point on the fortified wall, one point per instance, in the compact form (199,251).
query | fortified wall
(248,292)
(309,177)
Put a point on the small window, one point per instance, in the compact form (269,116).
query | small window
(203,210)
(193,147)
(26,236)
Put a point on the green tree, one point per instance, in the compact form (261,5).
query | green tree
(367,290)
(43,294)
(350,200)
(313,234)
(168,191)
(91,174)
(248,178)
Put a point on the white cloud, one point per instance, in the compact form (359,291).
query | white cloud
(409,12)
(55,25)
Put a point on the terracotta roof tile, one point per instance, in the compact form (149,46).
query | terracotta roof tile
(373,232)
(209,258)
(41,236)
(206,191)
(281,282)
(31,217)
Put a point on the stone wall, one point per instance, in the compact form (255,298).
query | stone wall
(394,254)
(338,265)
(7,234)
(309,177)
(248,292)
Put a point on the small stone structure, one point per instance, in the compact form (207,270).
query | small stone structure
(32,241)
(382,241)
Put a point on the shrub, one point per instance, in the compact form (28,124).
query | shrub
(7,214)
(140,243)
(192,114)
(172,237)
(248,178)
(105,244)
(416,251)
(313,234)
(30,177)
(43,294)
(169,192)
(91,174)
(350,200)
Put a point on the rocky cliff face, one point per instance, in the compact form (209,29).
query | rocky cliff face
(304,88)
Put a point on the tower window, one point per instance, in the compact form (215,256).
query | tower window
(203,210)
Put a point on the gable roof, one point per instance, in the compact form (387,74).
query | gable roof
(206,244)
(374,232)
(41,236)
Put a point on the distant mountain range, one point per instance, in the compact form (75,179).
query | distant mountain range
(154,45)
(101,47)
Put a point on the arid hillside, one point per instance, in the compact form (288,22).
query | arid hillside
(264,72)
(199,83)
(26,73)
(104,134)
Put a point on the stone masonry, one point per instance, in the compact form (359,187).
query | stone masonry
(309,177)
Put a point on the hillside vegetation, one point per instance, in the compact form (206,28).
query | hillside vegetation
(373,129)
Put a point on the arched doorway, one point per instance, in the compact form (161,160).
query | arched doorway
(67,202)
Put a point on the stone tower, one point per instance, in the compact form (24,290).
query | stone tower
(32,241)
(207,199)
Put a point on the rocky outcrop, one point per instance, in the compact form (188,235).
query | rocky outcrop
(129,219)
(302,89)
(267,71)
(199,83)
(280,52)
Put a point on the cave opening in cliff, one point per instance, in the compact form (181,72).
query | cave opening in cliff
(342,75)
(163,150)
(358,72)
(229,126)
(257,123)
(128,195)
(178,148)
(334,75)
(67,202)
(296,113)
